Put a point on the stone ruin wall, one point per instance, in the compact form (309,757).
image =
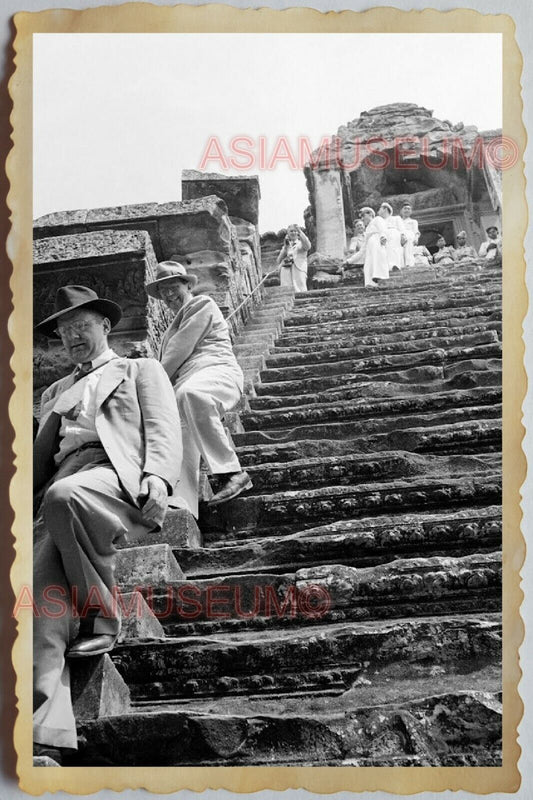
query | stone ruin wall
(213,231)
(446,197)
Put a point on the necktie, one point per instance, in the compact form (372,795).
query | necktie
(82,370)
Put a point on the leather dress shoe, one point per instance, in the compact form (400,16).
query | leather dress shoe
(95,645)
(235,484)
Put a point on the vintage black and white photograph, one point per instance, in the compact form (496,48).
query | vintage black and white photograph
(267,399)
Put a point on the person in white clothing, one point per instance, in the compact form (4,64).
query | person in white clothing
(292,259)
(395,239)
(492,248)
(411,233)
(197,356)
(376,263)
(356,249)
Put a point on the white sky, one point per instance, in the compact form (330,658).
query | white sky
(118,116)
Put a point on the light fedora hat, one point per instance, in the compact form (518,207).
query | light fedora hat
(71,298)
(166,271)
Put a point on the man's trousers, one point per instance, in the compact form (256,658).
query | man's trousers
(203,399)
(84,514)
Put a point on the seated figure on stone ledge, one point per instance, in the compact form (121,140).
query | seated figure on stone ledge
(106,457)
(422,256)
(356,249)
(445,255)
(463,250)
(197,356)
(292,259)
(491,250)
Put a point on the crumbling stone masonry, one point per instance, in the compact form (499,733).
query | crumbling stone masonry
(437,168)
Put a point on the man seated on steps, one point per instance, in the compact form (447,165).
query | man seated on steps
(107,456)
(197,355)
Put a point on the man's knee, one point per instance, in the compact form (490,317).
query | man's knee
(189,397)
(61,494)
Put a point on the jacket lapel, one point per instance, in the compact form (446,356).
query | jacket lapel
(111,377)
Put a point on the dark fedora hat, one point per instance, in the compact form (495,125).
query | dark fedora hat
(72,298)
(168,270)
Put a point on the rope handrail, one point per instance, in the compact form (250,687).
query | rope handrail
(249,296)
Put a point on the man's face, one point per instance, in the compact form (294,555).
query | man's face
(367,216)
(84,334)
(406,211)
(461,241)
(359,228)
(174,292)
(492,233)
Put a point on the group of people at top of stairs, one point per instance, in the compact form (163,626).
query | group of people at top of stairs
(385,242)
(380,244)
(119,441)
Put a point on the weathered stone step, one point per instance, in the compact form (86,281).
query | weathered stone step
(345,470)
(371,426)
(413,587)
(380,389)
(357,350)
(328,657)
(469,437)
(420,728)
(399,280)
(360,542)
(340,340)
(383,308)
(380,363)
(394,323)
(284,512)
(399,293)
(357,408)
(423,373)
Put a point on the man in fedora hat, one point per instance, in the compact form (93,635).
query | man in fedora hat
(107,456)
(197,355)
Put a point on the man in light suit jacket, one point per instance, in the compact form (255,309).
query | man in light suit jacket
(197,355)
(107,456)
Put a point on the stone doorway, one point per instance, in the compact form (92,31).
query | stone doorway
(430,234)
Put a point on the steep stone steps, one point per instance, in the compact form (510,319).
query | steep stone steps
(326,658)
(392,324)
(380,363)
(471,437)
(357,350)
(369,300)
(414,587)
(416,335)
(356,408)
(455,728)
(423,373)
(371,426)
(330,614)
(284,512)
(381,388)
(350,469)
(356,542)
(383,308)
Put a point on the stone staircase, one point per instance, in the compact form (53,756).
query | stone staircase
(346,610)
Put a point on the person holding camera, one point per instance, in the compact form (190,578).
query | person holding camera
(292,259)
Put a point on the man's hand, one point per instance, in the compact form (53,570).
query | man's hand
(403,240)
(154,489)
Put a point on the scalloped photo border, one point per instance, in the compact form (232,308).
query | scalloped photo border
(147,18)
